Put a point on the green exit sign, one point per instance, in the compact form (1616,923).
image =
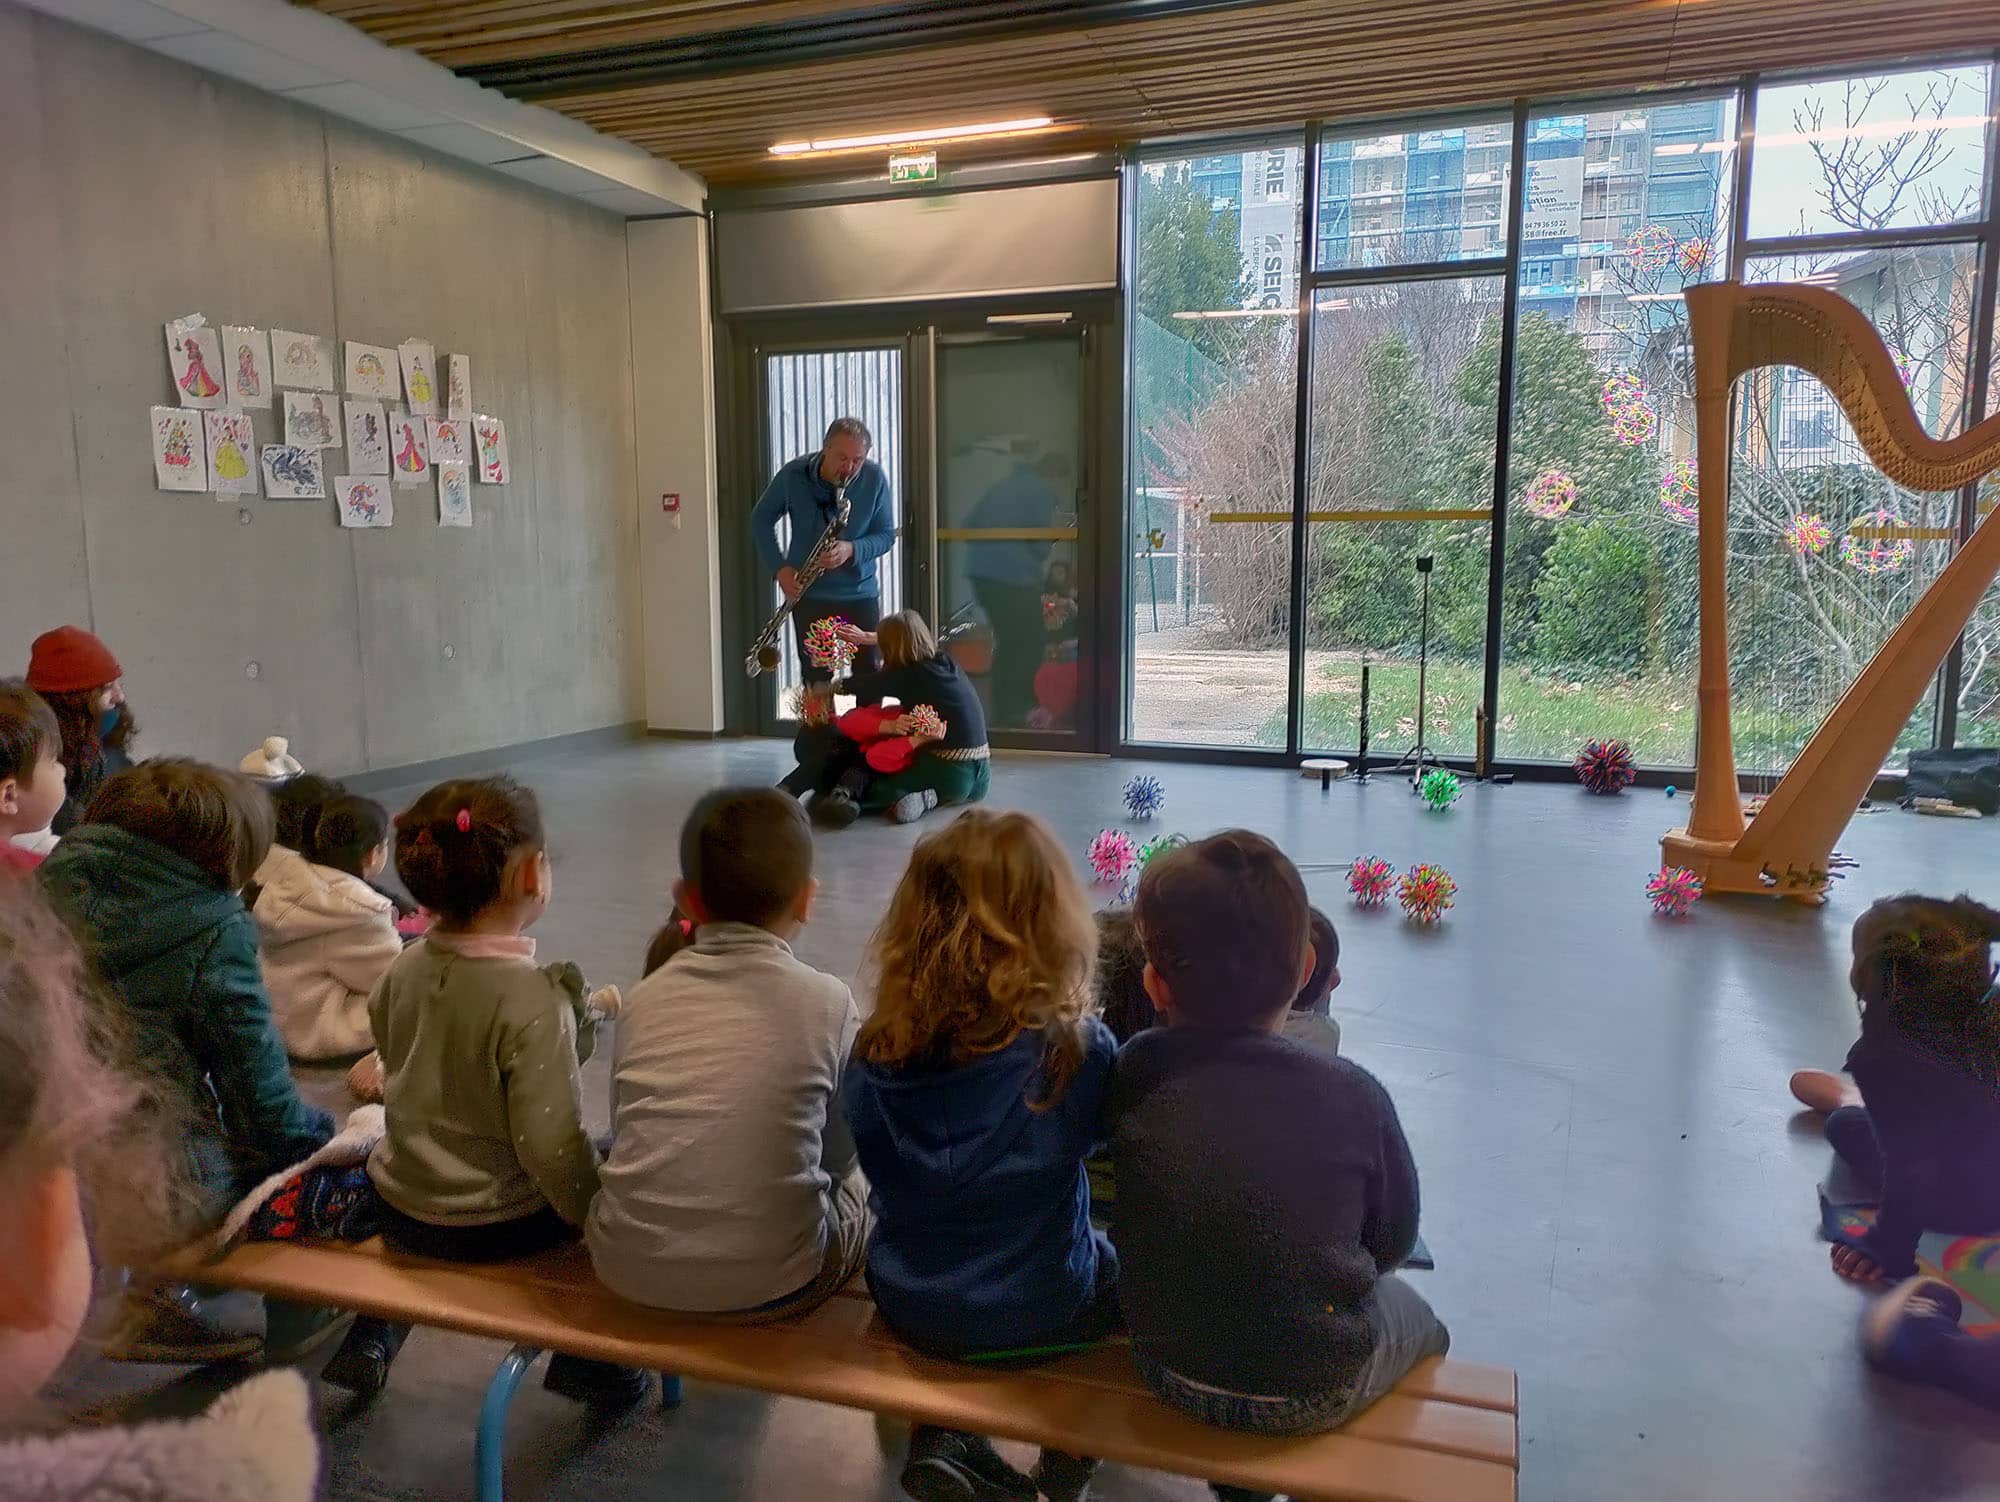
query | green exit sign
(913,167)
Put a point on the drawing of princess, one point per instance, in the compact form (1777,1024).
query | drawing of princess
(196,381)
(489,448)
(420,383)
(409,460)
(361,502)
(229,462)
(247,384)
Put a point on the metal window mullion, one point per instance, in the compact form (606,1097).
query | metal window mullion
(1414,271)
(1979,390)
(1503,436)
(1302,444)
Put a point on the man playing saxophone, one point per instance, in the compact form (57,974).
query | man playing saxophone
(806,490)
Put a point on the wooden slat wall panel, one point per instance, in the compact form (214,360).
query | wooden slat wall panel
(1270,65)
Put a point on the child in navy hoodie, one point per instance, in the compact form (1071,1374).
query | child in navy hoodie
(974,1099)
(1265,1190)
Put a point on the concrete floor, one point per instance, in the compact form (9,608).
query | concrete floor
(1616,1186)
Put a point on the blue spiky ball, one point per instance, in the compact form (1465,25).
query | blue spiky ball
(1144,796)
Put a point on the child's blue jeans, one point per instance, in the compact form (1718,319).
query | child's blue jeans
(1406,1331)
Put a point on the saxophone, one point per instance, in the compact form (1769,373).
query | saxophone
(763,656)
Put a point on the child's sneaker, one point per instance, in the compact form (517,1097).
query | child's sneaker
(912,806)
(1902,1331)
(947,1466)
(603,1386)
(361,1365)
(1064,1478)
(834,810)
(167,1326)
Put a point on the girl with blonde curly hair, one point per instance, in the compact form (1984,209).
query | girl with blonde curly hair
(974,1098)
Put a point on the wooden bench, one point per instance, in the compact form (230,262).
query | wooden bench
(1447,1433)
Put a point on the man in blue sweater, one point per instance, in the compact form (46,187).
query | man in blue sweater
(805,492)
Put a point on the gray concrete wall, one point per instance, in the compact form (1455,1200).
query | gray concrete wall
(133,190)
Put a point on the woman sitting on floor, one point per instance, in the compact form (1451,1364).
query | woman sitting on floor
(915,672)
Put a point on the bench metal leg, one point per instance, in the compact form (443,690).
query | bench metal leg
(670,1390)
(489,1450)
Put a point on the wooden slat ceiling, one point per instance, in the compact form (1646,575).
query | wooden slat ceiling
(1211,69)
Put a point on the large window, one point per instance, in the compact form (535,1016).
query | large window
(1588,223)
(1622,209)
(1214,397)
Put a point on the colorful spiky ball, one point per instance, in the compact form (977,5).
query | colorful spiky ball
(1157,844)
(1620,390)
(1111,854)
(1673,890)
(1439,789)
(1144,796)
(1426,891)
(926,724)
(1551,496)
(1680,493)
(1369,879)
(1650,248)
(1636,424)
(1605,766)
(1693,256)
(824,646)
(1877,543)
(1808,534)
(809,708)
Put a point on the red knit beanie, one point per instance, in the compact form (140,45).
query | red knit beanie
(69,660)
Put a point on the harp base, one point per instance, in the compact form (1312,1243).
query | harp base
(1721,869)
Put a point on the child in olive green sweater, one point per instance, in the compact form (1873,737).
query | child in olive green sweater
(485,1156)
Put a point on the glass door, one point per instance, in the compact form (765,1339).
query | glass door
(802,391)
(1011,491)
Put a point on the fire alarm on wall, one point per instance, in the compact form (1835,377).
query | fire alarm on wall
(670,502)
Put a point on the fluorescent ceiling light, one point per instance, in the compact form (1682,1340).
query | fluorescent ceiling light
(1026,125)
(1028,318)
(1689,148)
(1653,297)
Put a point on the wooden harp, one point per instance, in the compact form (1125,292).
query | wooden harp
(1787,849)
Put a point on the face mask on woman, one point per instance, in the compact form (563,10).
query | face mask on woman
(107,718)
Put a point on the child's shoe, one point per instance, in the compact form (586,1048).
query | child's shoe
(166,1325)
(834,810)
(1064,1478)
(1903,1330)
(947,1466)
(600,1384)
(361,1365)
(912,806)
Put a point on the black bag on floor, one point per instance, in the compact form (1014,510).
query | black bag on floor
(1967,775)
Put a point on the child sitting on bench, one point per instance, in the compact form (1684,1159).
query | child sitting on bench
(974,1099)
(730,1189)
(485,1156)
(1258,1247)
(90,1175)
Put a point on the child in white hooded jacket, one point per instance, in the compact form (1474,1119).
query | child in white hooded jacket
(328,935)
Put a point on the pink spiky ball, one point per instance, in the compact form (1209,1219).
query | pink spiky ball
(1673,890)
(926,724)
(1426,892)
(1112,854)
(1369,879)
